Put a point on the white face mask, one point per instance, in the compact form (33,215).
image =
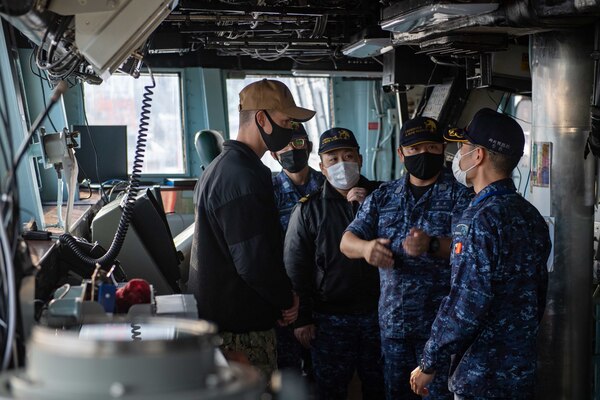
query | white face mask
(459,174)
(343,175)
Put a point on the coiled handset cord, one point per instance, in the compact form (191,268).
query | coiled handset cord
(132,191)
(136,331)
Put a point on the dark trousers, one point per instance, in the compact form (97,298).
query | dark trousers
(345,344)
(460,397)
(290,353)
(400,358)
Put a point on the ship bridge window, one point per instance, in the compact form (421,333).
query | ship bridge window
(308,92)
(118,101)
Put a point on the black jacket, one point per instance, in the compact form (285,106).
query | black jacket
(326,280)
(236,265)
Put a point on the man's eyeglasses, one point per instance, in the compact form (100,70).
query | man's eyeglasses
(298,143)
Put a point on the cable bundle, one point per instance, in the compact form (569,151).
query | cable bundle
(132,191)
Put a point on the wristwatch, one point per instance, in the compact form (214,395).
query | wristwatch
(434,245)
(426,371)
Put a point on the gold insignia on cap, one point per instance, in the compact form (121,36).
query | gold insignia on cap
(344,134)
(430,125)
(454,132)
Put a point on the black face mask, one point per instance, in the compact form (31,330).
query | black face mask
(424,165)
(279,137)
(294,160)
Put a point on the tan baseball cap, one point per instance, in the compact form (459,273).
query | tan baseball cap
(269,94)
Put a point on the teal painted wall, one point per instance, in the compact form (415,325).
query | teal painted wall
(205,108)
(216,100)
(73,102)
(195,114)
(354,108)
(38,92)
(18,119)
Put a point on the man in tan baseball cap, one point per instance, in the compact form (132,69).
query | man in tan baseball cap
(236,265)
(268,108)
(272,95)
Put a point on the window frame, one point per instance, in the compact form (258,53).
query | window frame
(159,177)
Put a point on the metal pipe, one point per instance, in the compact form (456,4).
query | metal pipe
(32,24)
(16,7)
(193,6)
(379,113)
(561,71)
(265,27)
(272,40)
(596,57)
(402,109)
(238,18)
(275,48)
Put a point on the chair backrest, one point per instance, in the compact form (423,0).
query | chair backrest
(183,244)
(209,144)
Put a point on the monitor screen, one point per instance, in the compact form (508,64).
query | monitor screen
(149,253)
(110,142)
(156,236)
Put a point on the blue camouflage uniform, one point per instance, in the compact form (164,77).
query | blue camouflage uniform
(289,350)
(411,291)
(490,319)
(287,194)
(338,295)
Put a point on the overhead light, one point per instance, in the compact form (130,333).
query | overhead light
(386,49)
(107,34)
(435,14)
(343,74)
(366,47)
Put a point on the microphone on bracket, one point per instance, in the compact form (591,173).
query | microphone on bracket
(59,90)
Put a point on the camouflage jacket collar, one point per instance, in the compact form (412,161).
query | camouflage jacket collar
(501,187)
(287,186)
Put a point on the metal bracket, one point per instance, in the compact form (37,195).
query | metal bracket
(72,7)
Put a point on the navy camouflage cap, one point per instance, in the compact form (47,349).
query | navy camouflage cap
(337,138)
(420,130)
(493,130)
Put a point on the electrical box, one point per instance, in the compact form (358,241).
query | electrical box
(402,66)
(507,70)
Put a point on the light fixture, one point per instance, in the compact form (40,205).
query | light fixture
(331,74)
(386,49)
(434,14)
(366,47)
(107,34)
